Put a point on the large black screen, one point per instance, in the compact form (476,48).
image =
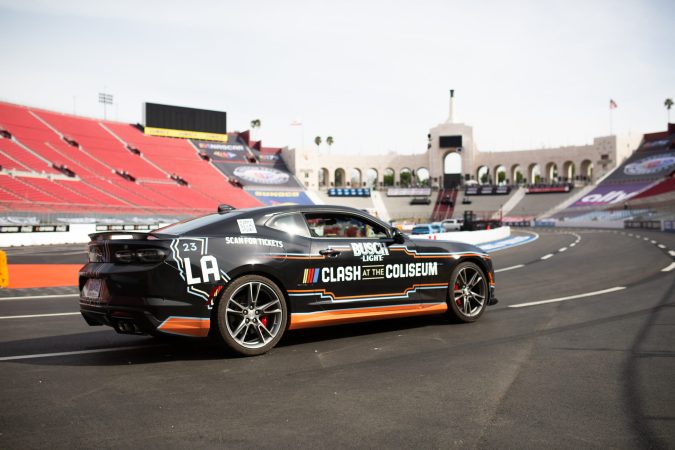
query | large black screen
(449,141)
(187,119)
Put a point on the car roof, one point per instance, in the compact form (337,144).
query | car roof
(267,210)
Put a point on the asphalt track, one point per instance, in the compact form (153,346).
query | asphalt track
(583,369)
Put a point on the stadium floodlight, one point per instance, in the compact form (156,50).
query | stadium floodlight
(106,99)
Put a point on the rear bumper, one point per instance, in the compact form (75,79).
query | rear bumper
(126,320)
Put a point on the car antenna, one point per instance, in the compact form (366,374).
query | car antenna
(222,209)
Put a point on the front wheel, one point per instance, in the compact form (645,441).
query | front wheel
(252,315)
(468,292)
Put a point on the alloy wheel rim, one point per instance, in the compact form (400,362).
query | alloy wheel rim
(469,291)
(253,315)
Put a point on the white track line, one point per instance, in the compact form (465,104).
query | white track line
(573,244)
(669,268)
(672,253)
(571,297)
(35,297)
(510,268)
(39,315)
(78,352)
(653,242)
(546,256)
(661,246)
(564,249)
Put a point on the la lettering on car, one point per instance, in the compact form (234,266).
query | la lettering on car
(245,277)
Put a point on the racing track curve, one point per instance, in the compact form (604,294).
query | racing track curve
(588,371)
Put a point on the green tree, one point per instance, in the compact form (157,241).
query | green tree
(484,178)
(406,177)
(501,177)
(668,104)
(255,123)
(388,179)
(519,177)
(317,141)
(329,141)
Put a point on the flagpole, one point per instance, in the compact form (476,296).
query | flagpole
(610,120)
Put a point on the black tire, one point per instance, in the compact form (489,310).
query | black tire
(252,315)
(464,295)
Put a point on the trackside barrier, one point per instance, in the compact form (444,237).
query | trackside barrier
(669,226)
(644,224)
(469,237)
(20,235)
(544,223)
(4,273)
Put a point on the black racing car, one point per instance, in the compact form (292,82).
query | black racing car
(249,275)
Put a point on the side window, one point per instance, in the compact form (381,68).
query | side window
(292,224)
(342,226)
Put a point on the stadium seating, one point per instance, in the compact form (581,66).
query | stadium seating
(94,153)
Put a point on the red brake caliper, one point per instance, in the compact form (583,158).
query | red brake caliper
(457,300)
(263,321)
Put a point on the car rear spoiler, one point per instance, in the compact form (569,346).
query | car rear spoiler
(115,235)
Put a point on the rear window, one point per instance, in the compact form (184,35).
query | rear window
(189,225)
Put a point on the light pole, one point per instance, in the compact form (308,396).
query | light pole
(106,99)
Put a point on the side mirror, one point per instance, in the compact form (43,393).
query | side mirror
(397,235)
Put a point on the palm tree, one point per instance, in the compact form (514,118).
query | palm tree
(317,141)
(329,141)
(668,104)
(255,123)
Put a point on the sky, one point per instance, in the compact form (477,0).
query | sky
(374,75)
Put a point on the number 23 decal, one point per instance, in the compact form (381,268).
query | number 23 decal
(189,246)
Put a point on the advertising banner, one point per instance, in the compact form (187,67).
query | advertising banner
(408,192)
(610,194)
(256,175)
(275,198)
(184,134)
(549,189)
(349,192)
(221,151)
(645,165)
(487,189)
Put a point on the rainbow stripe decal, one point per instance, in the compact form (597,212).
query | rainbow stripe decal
(311,276)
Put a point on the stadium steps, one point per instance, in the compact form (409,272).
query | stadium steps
(514,200)
(577,194)
(9,163)
(125,144)
(24,157)
(380,206)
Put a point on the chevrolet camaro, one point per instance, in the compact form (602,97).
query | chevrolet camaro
(246,276)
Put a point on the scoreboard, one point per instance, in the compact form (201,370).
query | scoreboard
(182,122)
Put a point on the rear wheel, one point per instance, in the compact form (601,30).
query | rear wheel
(468,292)
(252,315)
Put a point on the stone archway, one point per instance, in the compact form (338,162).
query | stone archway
(339,177)
(534,174)
(324,177)
(354,177)
(372,178)
(389,177)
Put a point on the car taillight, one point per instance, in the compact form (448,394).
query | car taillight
(148,255)
(95,255)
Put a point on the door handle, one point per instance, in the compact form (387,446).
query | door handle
(330,252)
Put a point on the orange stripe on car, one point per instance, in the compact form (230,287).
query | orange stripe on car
(335,297)
(323,318)
(186,326)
